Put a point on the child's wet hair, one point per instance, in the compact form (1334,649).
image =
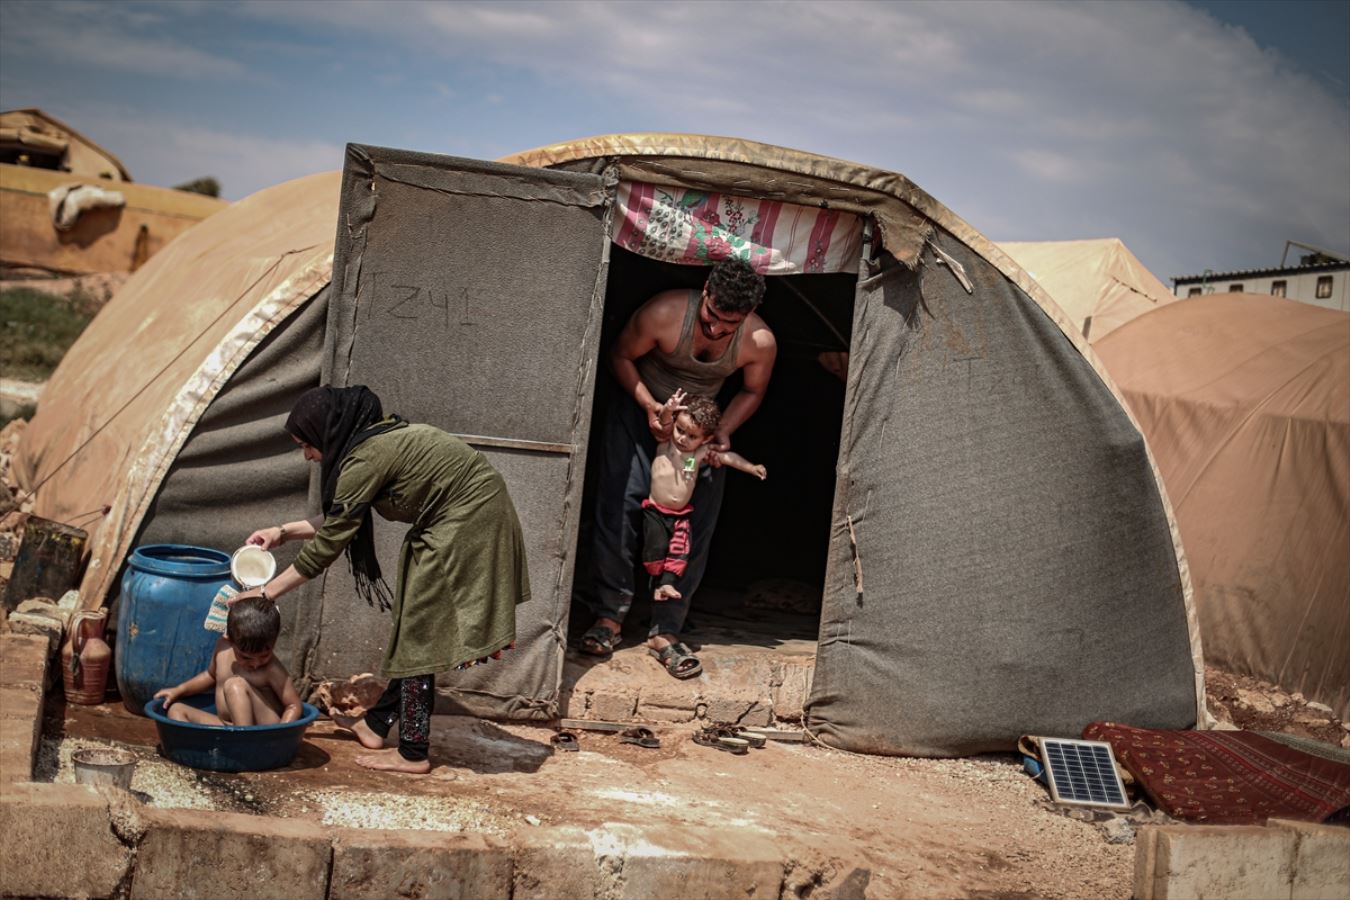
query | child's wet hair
(253,624)
(704,413)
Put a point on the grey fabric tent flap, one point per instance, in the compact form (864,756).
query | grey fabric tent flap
(1001,561)
(468,296)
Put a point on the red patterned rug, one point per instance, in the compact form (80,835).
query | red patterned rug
(1227,777)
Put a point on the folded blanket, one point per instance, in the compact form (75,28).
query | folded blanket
(1227,777)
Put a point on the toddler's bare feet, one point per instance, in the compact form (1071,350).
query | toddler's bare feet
(392,761)
(358,727)
(666,592)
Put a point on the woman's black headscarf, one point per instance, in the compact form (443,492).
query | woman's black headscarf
(333,421)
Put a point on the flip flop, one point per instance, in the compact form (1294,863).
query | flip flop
(753,738)
(734,746)
(678,660)
(601,638)
(642,737)
(565,741)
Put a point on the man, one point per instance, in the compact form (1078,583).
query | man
(678,340)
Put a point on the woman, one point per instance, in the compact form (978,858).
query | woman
(461,572)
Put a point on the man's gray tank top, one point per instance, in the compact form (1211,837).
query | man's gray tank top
(664,372)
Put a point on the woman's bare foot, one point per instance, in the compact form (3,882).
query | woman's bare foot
(666,592)
(392,761)
(358,727)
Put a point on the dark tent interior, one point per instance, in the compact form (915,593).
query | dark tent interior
(766,568)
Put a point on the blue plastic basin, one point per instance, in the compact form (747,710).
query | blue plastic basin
(228,748)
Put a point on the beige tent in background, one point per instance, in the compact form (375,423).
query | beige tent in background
(1099,284)
(119,407)
(1245,401)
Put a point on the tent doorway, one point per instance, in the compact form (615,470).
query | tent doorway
(766,568)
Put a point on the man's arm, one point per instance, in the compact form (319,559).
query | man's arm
(759,353)
(638,338)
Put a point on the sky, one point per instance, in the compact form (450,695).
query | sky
(1202,134)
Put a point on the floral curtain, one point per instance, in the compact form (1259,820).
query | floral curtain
(698,228)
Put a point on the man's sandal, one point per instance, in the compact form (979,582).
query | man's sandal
(599,641)
(642,737)
(565,741)
(753,738)
(710,738)
(678,660)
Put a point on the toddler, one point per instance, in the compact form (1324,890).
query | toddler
(252,686)
(665,512)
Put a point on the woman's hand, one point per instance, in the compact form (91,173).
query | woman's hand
(266,538)
(244,595)
(168,695)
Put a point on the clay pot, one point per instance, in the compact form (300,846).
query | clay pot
(85,658)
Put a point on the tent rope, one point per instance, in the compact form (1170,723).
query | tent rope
(179,355)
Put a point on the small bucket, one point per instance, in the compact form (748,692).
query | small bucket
(104,766)
(252,566)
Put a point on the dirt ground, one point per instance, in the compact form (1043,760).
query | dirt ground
(1254,705)
(921,828)
(915,828)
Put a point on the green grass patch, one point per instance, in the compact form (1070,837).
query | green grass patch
(37,328)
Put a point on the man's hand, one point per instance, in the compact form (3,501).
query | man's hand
(720,443)
(659,431)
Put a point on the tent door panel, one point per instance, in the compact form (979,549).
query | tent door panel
(468,295)
(1000,560)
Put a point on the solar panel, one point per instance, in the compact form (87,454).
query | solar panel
(1082,773)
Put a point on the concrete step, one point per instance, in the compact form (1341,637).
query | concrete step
(753,673)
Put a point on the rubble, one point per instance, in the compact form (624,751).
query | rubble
(348,698)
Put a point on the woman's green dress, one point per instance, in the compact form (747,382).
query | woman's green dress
(462,570)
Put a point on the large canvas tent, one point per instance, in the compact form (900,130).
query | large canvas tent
(1245,401)
(996,554)
(1098,283)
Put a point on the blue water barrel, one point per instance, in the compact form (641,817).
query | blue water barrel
(166,593)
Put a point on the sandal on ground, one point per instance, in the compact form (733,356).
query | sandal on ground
(643,737)
(564,740)
(710,738)
(599,641)
(677,660)
(750,736)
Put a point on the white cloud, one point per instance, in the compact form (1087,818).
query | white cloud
(1148,121)
(110,36)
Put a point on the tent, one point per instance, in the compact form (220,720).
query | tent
(1245,401)
(988,535)
(1099,284)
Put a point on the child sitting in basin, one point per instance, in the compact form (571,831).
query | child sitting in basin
(252,686)
(665,512)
